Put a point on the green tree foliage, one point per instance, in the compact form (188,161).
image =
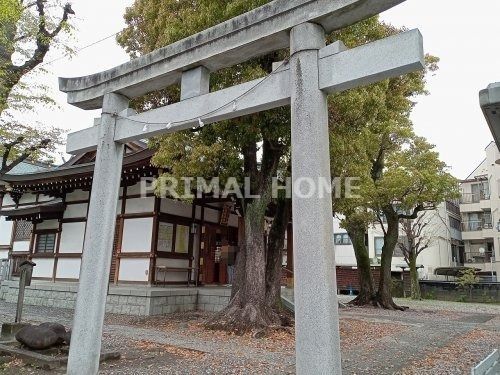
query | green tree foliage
(27,31)
(467,280)
(372,138)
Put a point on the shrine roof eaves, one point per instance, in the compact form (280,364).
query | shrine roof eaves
(73,170)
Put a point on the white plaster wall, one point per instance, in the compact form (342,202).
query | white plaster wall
(48,224)
(43,268)
(75,210)
(137,234)
(27,198)
(140,205)
(72,236)
(134,269)
(21,246)
(68,268)
(134,189)
(5,231)
(344,254)
(44,198)
(4,254)
(7,201)
(172,276)
(77,195)
(177,208)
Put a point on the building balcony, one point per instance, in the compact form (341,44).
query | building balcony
(477,230)
(475,202)
(471,198)
(478,258)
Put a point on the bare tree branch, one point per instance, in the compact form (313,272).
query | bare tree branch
(25,155)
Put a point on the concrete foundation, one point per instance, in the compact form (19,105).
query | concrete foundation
(127,300)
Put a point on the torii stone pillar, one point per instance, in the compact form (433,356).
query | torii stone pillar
(316,308)
(99,235)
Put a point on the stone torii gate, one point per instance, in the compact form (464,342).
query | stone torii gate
(313,71)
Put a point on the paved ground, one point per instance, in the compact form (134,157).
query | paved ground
(431,338)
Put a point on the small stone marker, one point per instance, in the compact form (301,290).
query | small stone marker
(26,269)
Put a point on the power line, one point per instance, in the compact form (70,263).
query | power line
(78,50)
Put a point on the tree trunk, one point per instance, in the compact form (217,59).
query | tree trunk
(384,294)
(414,283)
(275,246)
(248,310)
(366,294)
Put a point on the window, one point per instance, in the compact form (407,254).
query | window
(379,243)
(23,230)
(455,223)
(342,239)
(45,243)
(173,238)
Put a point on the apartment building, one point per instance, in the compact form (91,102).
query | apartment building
(443,230)
(480,208)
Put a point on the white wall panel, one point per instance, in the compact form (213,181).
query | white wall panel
(68,268)
(140,205)
(134,189)
(4,254)
(44,198)
(48,224)
(21,246)
(27,198)
(5,231)
(8,201)
(72,237)
(77,195)
(177,208)
(134,269)
(75,210)
(43,268)
(137,234)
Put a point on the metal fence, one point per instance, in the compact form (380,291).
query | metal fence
(475,225)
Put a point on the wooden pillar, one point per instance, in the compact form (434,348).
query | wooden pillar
(289,247)
(154,242)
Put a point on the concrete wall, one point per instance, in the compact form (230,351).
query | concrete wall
(449,291)
(140,301)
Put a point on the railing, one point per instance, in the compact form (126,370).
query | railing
(468,198)
(476,257)
(476,225)
(453,208)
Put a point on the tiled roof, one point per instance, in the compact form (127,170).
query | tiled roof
(26,167)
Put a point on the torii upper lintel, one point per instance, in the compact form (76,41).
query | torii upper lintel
(249,35)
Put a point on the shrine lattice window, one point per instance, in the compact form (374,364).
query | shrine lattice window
(23,230)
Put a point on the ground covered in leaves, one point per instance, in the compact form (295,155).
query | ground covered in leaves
(430,338)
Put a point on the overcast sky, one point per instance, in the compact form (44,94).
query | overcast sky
(463,34)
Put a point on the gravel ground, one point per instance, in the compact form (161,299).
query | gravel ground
(433,337)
